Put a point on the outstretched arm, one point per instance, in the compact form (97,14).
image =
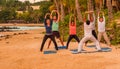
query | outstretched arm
(46,15)
(58,16)
(98,16)
(75,20)
(84,19)
(103,16)
(53,11)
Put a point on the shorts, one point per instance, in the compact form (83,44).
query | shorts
(56,34)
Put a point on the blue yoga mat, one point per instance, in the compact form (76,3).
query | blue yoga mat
(50,52)
(61,47)
(75,51)
(91,46)
(106,49)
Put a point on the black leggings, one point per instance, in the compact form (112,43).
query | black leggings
(70,38)
(94,34)
(44,40)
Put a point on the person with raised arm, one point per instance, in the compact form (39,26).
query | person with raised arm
(72,30)
(48,27)
(55,26)
(101,29)
(91,18)
(88,27)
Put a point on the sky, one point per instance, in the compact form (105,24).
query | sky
(31,1)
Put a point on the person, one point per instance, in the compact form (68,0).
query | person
(88,36)
(91,17)
(101,29)
(72,31)
(55,26)
(48,27)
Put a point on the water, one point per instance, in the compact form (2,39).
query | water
(19,28)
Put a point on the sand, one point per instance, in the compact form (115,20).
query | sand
(22,52)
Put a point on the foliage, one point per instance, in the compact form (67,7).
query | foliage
(44,8)
(115,32)
(7,15)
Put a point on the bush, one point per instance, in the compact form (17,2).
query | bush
(7,15)
(115,32)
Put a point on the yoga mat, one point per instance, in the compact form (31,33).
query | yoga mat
(50,52)
(61,47)
(106,49)
(91,46)
(74,51)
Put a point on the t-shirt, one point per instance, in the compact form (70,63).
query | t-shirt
(55,26)
(87,29)
(72,29)
(48,28)
(101,25)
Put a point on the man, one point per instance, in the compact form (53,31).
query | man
(88,36)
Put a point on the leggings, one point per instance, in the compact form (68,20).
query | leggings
(44,40)
(70,38)
(94,34)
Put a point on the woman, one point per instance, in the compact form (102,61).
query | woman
(101,29)
(55,26)
(48,27)
(72,31)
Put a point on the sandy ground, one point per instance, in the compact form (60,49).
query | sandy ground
(22,52)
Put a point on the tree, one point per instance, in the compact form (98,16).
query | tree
(62,11)
(36,15)
(6,15)
(109,5)
(90,5)
(79,15)
(57,5)
(44,8)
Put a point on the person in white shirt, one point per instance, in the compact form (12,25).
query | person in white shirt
(91,17)
(101,29)
(88,27)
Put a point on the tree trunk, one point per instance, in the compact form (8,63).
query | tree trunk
(101,4)
(62,11)
(109,5)
(57,5)
(90,5)
(79,15)
(97,5)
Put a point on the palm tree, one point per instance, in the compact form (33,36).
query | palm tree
(109,5)
(56,2)
(62,10)
(78,11)
(90,5)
